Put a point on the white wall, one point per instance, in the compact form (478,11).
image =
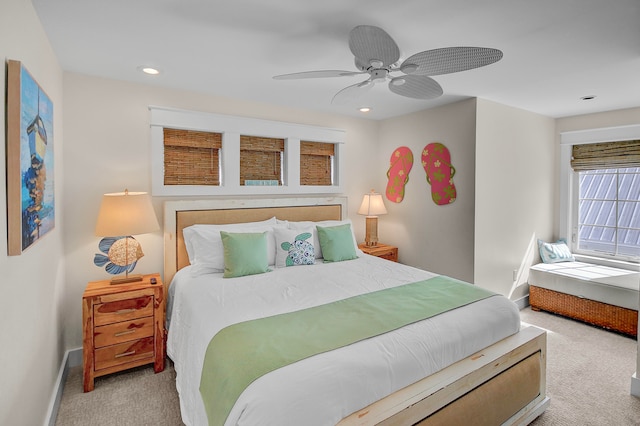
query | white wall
(432,237)
(33,283)
(515,192)
(505,173)
(107,149)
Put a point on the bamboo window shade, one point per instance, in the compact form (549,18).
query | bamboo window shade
(260,158)
(316,163)
(191,157)
(606,155)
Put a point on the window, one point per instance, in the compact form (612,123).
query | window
(316,163)
(203,154)
(261,161)
(191,157)
(607,210)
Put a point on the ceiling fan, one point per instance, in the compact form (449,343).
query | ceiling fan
(378,55)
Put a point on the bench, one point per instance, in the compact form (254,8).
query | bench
(600,295)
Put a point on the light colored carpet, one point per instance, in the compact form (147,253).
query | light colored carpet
(588,379)
(588,374)
(137,397)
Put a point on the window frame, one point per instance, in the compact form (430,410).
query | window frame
(569,187)
(231,128)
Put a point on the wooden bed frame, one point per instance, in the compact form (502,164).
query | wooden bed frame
(504,383)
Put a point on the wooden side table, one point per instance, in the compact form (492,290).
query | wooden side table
(123,327)
(384,251)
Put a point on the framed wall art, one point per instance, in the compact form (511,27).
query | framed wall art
(30,162)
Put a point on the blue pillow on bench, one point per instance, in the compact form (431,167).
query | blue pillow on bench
(555,252)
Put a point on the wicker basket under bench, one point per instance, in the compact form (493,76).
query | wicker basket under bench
(611,317)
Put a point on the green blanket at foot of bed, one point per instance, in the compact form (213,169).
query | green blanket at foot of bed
(243,352)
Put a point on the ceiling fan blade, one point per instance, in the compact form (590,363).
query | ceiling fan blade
(316,74)
(449,60)
(416,86)
(369,43)
(352,93)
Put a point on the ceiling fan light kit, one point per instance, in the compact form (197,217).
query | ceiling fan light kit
(408,68)
(378,55)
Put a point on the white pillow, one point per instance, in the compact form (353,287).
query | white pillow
(205,248)
(295,245)
(324,223)
(208,230)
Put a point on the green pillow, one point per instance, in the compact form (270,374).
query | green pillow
(336,243)
(244,253)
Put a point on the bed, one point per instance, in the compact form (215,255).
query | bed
(474,364)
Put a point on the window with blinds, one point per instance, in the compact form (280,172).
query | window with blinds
(229,155)
(606,155)
(261,161)
(191,157)
(316,163)
(608,198)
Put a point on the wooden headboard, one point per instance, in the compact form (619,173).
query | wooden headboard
(180,214)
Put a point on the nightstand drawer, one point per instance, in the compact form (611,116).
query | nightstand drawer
(123,310)
(123,332)
(391,254)
(124,353)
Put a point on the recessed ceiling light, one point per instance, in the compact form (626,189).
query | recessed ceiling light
(149,70)
(588,97)
(365,109)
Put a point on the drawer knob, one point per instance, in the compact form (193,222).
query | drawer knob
(122,333)
(125,354)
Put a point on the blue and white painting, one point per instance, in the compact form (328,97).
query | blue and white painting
(36,160)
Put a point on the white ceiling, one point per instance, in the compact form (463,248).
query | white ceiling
(555,51)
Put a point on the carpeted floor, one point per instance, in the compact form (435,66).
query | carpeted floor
(137,397)
(588,379)
(588,374)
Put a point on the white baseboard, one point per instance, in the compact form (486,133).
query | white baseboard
(75,357)
(523,302)
(70,359)
(635,385)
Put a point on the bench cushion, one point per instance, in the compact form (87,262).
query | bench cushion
(618,287)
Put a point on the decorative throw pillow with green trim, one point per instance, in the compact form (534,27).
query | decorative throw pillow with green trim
(294,247)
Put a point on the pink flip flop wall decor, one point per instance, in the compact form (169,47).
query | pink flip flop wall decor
(398,174)
(436,161)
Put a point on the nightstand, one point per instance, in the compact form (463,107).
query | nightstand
(123,327)
(381,250)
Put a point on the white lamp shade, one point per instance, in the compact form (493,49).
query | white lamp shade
(126,213)
(372,205)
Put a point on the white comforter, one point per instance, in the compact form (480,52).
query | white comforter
(325,388)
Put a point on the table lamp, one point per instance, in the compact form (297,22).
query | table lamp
(372,206)
(122,215)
